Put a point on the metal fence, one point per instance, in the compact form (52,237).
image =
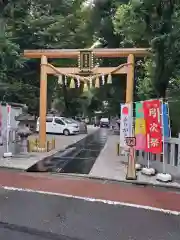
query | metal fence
(171,158)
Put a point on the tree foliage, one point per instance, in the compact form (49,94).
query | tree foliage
(153,24)
(34,25)
(29,24)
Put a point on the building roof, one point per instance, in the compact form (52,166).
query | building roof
(25,117)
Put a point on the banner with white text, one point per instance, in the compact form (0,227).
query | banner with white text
(126,123)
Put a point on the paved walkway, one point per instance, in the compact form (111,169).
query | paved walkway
(24,161)
(109,165)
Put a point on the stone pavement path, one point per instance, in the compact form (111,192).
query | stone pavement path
(23,162)
(110,166)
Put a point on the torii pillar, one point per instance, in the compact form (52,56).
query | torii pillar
(43,103)
(131,169)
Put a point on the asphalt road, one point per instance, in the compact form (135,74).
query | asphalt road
(33,216)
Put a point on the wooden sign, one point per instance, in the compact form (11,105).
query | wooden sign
(85,61)
(131,141)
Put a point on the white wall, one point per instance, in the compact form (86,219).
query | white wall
(15,111)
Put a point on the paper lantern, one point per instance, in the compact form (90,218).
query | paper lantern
(109,79)
(85,89)
(60,79)
(78,82)
(97,85)
(72,83)
(90,82)
(65,81)
(103,80)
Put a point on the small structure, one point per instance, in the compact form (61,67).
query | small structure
(28,120)
(23,130)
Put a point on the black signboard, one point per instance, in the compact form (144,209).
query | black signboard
(131,141)
(86,61)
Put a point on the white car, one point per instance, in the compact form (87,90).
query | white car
(104,122)
(82,126)
(59,125)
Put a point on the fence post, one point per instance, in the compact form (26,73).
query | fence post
(53,143)
(48,147)
(117,149)
(28,145)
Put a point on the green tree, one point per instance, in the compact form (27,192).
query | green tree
(33,25)
(153,24)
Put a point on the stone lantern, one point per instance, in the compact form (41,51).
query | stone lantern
(23,130)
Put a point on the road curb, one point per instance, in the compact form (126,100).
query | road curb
(84,176)
(138,183)
(162,185)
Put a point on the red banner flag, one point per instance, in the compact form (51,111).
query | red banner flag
(152,109)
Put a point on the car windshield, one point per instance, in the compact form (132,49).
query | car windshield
(104,119)
(71,119)
(67,120)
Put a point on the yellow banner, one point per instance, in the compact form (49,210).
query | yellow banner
(140,126)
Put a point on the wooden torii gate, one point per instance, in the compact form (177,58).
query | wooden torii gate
(46,68)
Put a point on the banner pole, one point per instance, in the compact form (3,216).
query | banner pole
(148,159)
(149,171)
(169,120)
(8,124)
(1,139)
(163,137)
(7,135)
(120,129)
(131,168)
(163,177)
